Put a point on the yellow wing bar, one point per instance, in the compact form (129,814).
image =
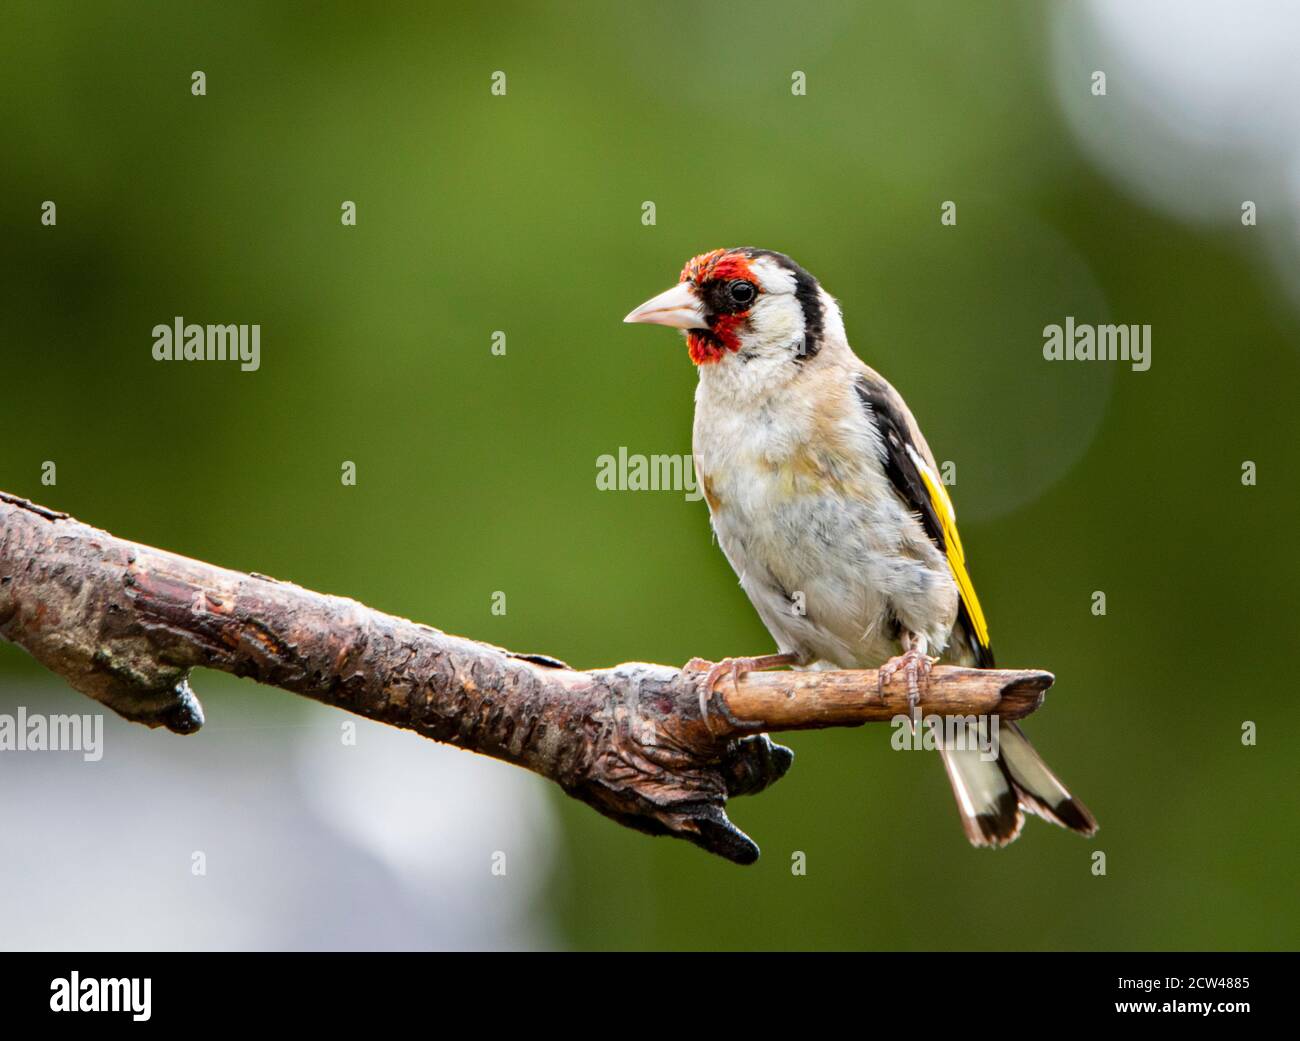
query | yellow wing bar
(956,555)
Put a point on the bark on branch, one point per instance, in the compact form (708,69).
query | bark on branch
(125,624)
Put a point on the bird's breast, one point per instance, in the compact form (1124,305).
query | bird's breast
(790,497)
(756,460)
(805,513)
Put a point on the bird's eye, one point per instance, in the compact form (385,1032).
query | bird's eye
(742,292)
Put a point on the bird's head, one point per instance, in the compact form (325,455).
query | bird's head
(740,305)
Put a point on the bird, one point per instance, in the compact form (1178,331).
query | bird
(826,500)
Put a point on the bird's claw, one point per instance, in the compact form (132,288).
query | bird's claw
(714,671)
(733,667)
(915,665)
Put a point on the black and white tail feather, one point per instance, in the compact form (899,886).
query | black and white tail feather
(992,794)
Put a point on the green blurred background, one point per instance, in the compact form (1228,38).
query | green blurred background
(476,473)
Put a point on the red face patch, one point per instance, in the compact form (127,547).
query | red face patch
(723,266)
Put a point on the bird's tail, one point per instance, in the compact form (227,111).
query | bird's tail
(992,793)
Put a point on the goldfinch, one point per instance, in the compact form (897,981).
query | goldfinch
(827,502)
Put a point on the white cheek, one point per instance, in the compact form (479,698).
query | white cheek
(776,319)
(775,322)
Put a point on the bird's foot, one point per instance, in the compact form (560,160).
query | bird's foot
(732,667)
(915,665)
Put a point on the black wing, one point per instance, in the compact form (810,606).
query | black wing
(923,492)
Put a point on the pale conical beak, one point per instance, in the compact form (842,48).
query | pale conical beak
(678,307)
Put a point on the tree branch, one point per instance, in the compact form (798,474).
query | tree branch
(125,624)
